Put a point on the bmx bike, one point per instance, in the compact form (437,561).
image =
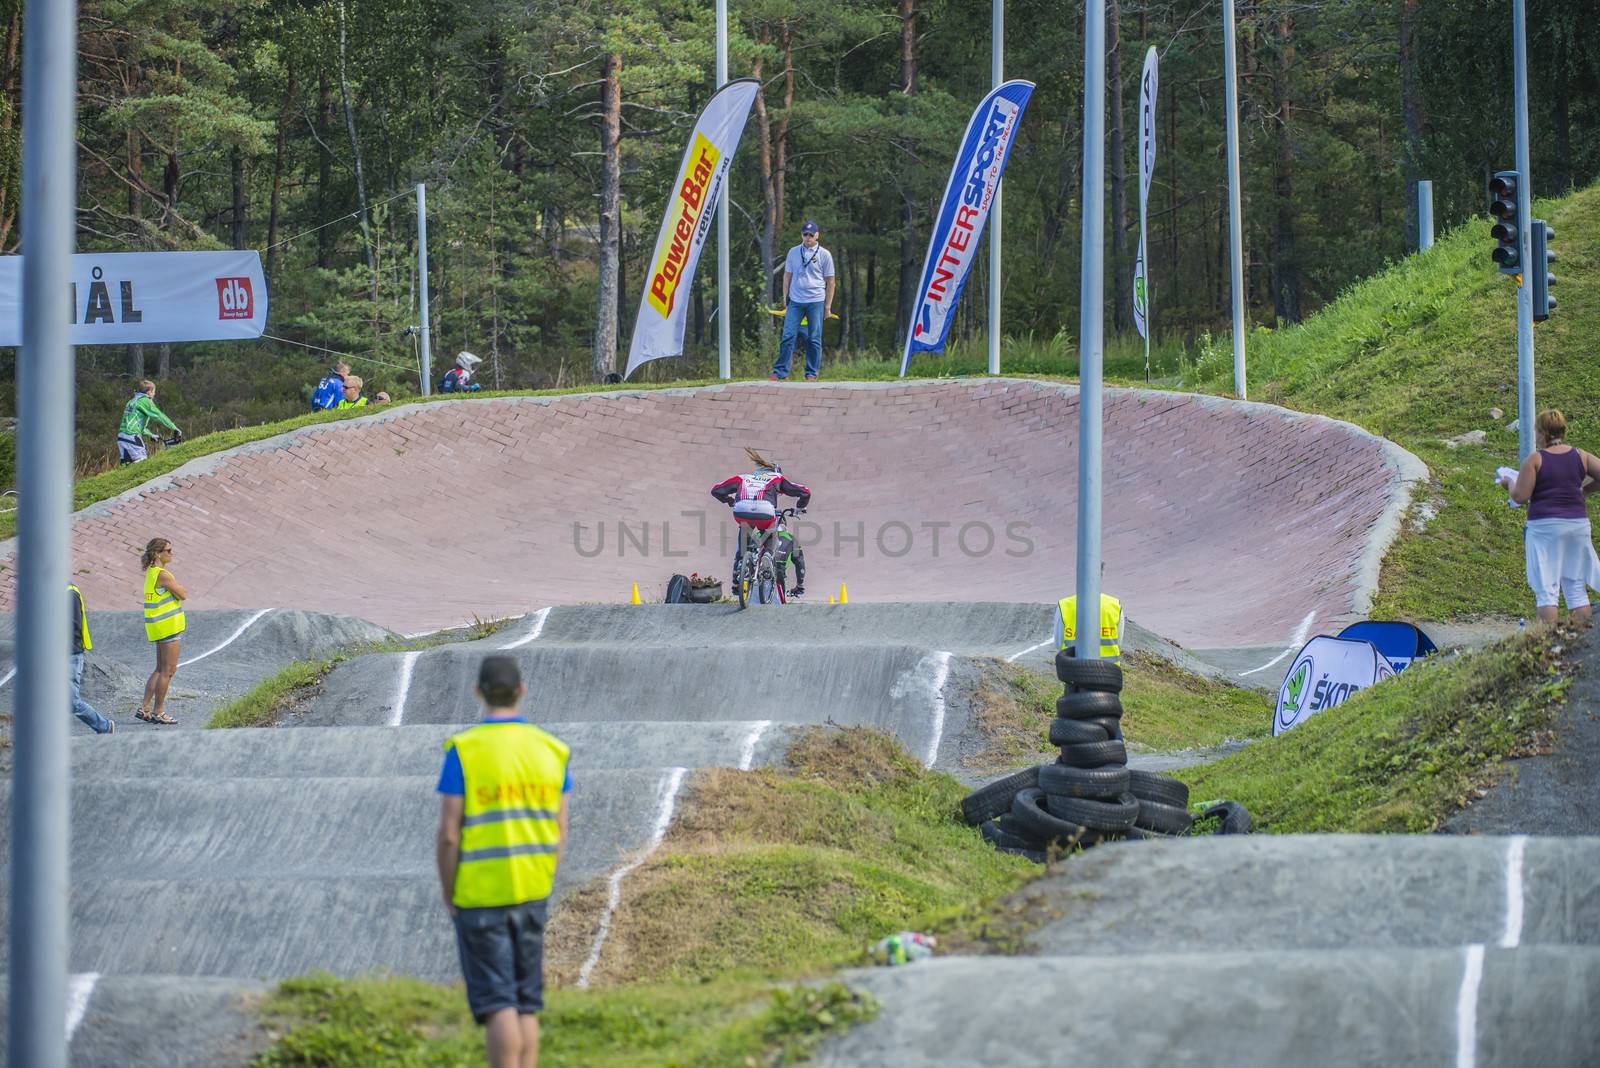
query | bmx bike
(755,572)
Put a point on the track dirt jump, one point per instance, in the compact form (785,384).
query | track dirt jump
(206,864)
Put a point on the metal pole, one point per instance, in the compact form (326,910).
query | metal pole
(1235,225)
(724,310)
(1424,216)
(41,780)
(1525,400)
(1091,329)
(997,49)
(422,271)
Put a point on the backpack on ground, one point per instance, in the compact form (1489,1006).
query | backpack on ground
(678,589)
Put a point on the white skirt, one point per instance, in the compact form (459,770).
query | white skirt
(1561,561)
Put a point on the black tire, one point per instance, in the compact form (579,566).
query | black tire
(1115,815)
(997,835)
(1101,676)
(1235,817)
(1030,815)
(987,802)
(1112,725)
(1076,732)
(1094,754)
(1164,819)
(1153,786)
(1088,705)
(1099,783)
(1038,856)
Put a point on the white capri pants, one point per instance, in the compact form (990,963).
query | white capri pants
(1561,561)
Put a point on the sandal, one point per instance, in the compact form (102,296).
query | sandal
(144,715)
(162,717)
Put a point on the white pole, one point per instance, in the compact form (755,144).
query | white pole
(1525,399)
(41,797)
(1235,225)
(997,48)
(1424,216)
(426,334)
(724,305)
(1091,330)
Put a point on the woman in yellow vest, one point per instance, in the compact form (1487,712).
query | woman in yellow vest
(163,625)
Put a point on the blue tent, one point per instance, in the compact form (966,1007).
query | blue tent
(1400,643)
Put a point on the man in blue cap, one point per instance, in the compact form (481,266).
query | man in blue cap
(808,284)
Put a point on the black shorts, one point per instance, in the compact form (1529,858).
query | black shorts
(502,957)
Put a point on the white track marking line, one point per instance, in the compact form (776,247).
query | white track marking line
(1012,659)
(7,677)
(1467,1009)
(231,639)
(941,674)
(1515,850)
(538,628)
(747,753)
(408,664)
(669,800)
(80,988)
(1298,640)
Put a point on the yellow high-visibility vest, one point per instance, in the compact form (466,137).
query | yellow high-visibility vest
(509,830)
(163,612)
(1110,624)
(83,617)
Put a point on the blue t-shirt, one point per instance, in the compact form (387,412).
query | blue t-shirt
(453,781)
(811,268)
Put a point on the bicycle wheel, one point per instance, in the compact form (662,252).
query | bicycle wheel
(741,571)
(767,589)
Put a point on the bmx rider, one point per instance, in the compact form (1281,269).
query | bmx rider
(754,500)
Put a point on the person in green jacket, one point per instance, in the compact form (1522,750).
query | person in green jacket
(137,416)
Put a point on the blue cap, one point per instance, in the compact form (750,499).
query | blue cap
(810,227)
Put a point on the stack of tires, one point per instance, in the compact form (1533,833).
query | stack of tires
(1089,794)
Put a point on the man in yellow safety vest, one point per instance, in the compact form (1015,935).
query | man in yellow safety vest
(1111,625)
(502,829)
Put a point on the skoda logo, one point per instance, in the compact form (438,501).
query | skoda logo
(1292,698)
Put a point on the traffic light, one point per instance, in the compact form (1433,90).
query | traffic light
(1508,223)
(1539,269)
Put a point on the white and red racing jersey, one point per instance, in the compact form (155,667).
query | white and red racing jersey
(754,497)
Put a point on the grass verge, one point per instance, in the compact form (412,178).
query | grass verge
(1164,708)
(263,703)
(327,1022)
(1401,756)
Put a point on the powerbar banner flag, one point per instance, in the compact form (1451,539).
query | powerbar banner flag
(1324,675)
(658,330)
(1148,85)
(120,298)
(968,197)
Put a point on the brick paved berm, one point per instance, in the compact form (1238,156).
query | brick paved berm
(1225,522)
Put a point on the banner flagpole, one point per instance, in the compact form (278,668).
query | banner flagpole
(1148,94)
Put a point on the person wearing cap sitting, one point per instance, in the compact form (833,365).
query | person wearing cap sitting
(459,378)
(808,284)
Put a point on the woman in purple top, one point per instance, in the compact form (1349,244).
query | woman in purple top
(1560,551)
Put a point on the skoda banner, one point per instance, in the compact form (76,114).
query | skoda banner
(122,298)
(957,228)
(1324,674)
(658,330)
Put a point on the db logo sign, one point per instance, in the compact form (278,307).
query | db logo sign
(234,299)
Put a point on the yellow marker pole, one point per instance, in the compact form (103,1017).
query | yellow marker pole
(636,594)
(830,598)
(844,594)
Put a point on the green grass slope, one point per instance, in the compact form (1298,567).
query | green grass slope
(1423,352)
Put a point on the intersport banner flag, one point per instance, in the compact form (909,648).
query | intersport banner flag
(968,198)
(1149,84)
(658,329)
(122,298)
